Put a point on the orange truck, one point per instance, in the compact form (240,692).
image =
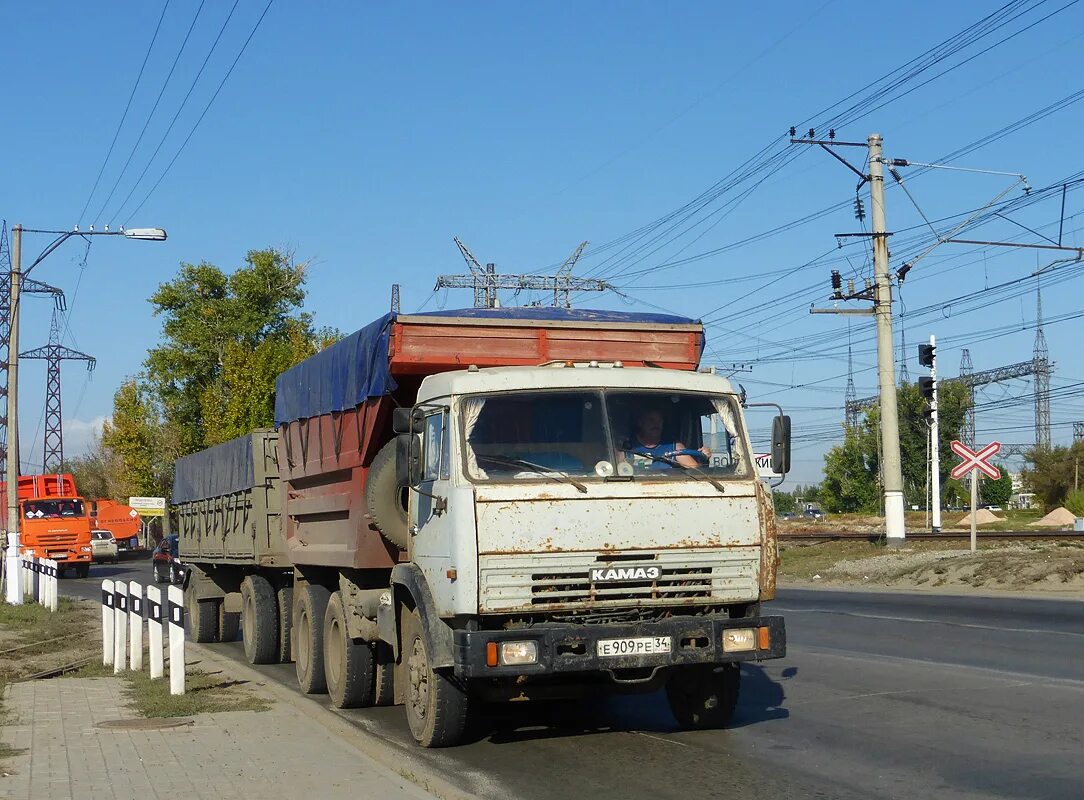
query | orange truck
(122,521)
(53,521)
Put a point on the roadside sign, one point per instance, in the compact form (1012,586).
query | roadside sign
(149,506)
(976,460)
(764,466)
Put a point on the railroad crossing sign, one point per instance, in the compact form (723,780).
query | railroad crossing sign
(976,460)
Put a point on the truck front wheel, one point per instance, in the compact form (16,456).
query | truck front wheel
(436,708)
(82,570)
(348,664)
(202,618)
(703,697)
(308,635)
(259,620)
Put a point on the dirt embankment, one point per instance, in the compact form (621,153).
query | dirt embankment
(1032,566)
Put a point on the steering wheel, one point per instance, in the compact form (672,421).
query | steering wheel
(701,457)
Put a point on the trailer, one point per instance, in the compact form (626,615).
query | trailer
(493,504)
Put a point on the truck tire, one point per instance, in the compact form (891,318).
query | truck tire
(703,697)
(436,708)
(202,619)
(229,623)
(309,639)
(82,570)
(348,664)
(385,499)
(259,620)
(285,596)
(383,674)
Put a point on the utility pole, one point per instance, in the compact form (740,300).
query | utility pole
(890,423)
(881,295)
(14,589)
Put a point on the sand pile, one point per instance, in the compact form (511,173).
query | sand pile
(984,517)
(1058,518)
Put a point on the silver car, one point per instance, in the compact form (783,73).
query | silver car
(103,547)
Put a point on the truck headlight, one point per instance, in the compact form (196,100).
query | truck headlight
(85,549)
(736,640)
(515,653)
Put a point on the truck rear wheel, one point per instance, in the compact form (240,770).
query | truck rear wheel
(385,499)
(285,597)
(348,664)
(383,674)
(259,620)
(202,619)
(229,623)
(309,639)
(703,697)
(436,708)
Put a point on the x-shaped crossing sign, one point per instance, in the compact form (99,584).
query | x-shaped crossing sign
(976,460)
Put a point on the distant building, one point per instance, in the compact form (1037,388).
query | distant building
(1022,496)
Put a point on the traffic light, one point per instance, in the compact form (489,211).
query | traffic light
(925,385)
(926,354)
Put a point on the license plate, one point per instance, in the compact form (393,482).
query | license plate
(637,646)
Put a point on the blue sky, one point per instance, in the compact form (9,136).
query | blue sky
(365,136)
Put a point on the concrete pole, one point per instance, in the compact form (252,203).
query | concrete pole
(890,424)
(935,446)
(14,574)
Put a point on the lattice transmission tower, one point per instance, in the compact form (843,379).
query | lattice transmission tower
(1043,368)
(53,354)
(31,286)
(485,281)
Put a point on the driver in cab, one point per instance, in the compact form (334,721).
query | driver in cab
(649,451)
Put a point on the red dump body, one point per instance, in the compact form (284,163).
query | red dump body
(324,460)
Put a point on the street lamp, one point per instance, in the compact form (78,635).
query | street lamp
(14,591)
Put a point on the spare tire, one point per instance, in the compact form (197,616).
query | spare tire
(385,499)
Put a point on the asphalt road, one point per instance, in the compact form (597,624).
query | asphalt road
(881,695)
(134,567)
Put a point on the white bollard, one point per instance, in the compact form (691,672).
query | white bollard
(154,630)
(175,607)
(135,625)
(32,570)
(107,623)
(53,595)
(120,626)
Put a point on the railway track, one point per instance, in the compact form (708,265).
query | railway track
(817,536)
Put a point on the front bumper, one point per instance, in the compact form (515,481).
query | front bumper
(564,648)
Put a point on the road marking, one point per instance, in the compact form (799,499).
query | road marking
(924,620)
(660,738)
(1003,684)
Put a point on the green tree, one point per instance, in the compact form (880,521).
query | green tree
(92,471)
(1052,473)
(997,493)
(852,469)
(225,337)
(140,442)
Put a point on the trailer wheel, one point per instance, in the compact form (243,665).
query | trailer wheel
(348,664)
(385,499)
(202,619)
(383,674)
(701,697)
(436,708)
(285,596)
(229,623)
(309,639)
(259,620)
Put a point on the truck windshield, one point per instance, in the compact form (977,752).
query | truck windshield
(41,509)
(602,434)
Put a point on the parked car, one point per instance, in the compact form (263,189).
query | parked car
(103,547)
(814,513)
(165,564)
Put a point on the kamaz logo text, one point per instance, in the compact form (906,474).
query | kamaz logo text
(601,574)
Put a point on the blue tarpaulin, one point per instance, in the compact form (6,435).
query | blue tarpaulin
(355,368)
(223,469)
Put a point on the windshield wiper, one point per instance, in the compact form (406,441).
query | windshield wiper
(548,472)
(674,463)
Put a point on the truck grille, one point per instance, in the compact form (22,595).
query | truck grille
(50,539)
(562,581)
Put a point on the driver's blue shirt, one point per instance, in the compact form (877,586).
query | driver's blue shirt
(662,450)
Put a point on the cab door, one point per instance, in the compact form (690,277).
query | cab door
(431,531)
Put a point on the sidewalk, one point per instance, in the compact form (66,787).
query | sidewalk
(272,754)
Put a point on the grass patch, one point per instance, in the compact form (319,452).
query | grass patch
(204,694)
(32,638)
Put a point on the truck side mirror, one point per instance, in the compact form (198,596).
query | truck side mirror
(408,462)
(407,420)
(781,444)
